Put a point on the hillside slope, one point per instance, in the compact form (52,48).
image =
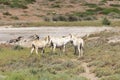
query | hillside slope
(58,10)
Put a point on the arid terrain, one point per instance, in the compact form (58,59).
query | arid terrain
(100,61)
(97,22)
(30,11)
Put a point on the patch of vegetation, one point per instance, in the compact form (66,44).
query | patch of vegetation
(63,23)
(114,15)
(115,5)
(7,13)
(103,57)
(112,77)
(109,10)
(91,5)
(106,21)
(55,6)
(17,47)
(51,0)
(104,1)
(75,16)
(100,72)
(14,17)
(59,18)
(22,66)
(17,3)
(76,1)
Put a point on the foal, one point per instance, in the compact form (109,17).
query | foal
(59,42)
(39,44)
(16,40)
(78,44)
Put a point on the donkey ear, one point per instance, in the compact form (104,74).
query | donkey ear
(70,35)
(48,37)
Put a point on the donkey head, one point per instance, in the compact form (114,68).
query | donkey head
(34,37)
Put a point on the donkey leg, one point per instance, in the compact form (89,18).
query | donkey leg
(79,51)
(54,47)
(36,51)
(64,49)
(60,51)
(43,51)
(75,48)
(32,50)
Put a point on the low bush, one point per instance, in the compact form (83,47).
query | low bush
(109,10)
(105,21)
(14,17)
(55,6)
(112,77)
(91,5)
(114,15)
(17,47)
(7,13)
(73,18)
(51,0)
(59,18)
(16,76)
(17,3)
(115,5)
(100,72)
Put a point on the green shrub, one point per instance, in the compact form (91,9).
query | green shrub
(89,18)
(109,10)
(114,15)
(69,64)
(112,77)
(59,18)
(16,76)
(55,6)
(104,1)
(115,5)
(7,13)
(30,1)
(105,21)
(97,9)
(14,17)
(51,0)
(76,71)
(100,72)
(73,18)
(5,2)
(17,47)
(34,71)
(17,3)
(59,76)
(91,5)
(47,19)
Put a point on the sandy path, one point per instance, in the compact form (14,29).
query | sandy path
(10,33)
(87,74)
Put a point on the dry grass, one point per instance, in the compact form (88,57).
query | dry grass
(103,60)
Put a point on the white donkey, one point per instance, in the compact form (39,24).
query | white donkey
(39,44)
(78,44)
(59,42)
